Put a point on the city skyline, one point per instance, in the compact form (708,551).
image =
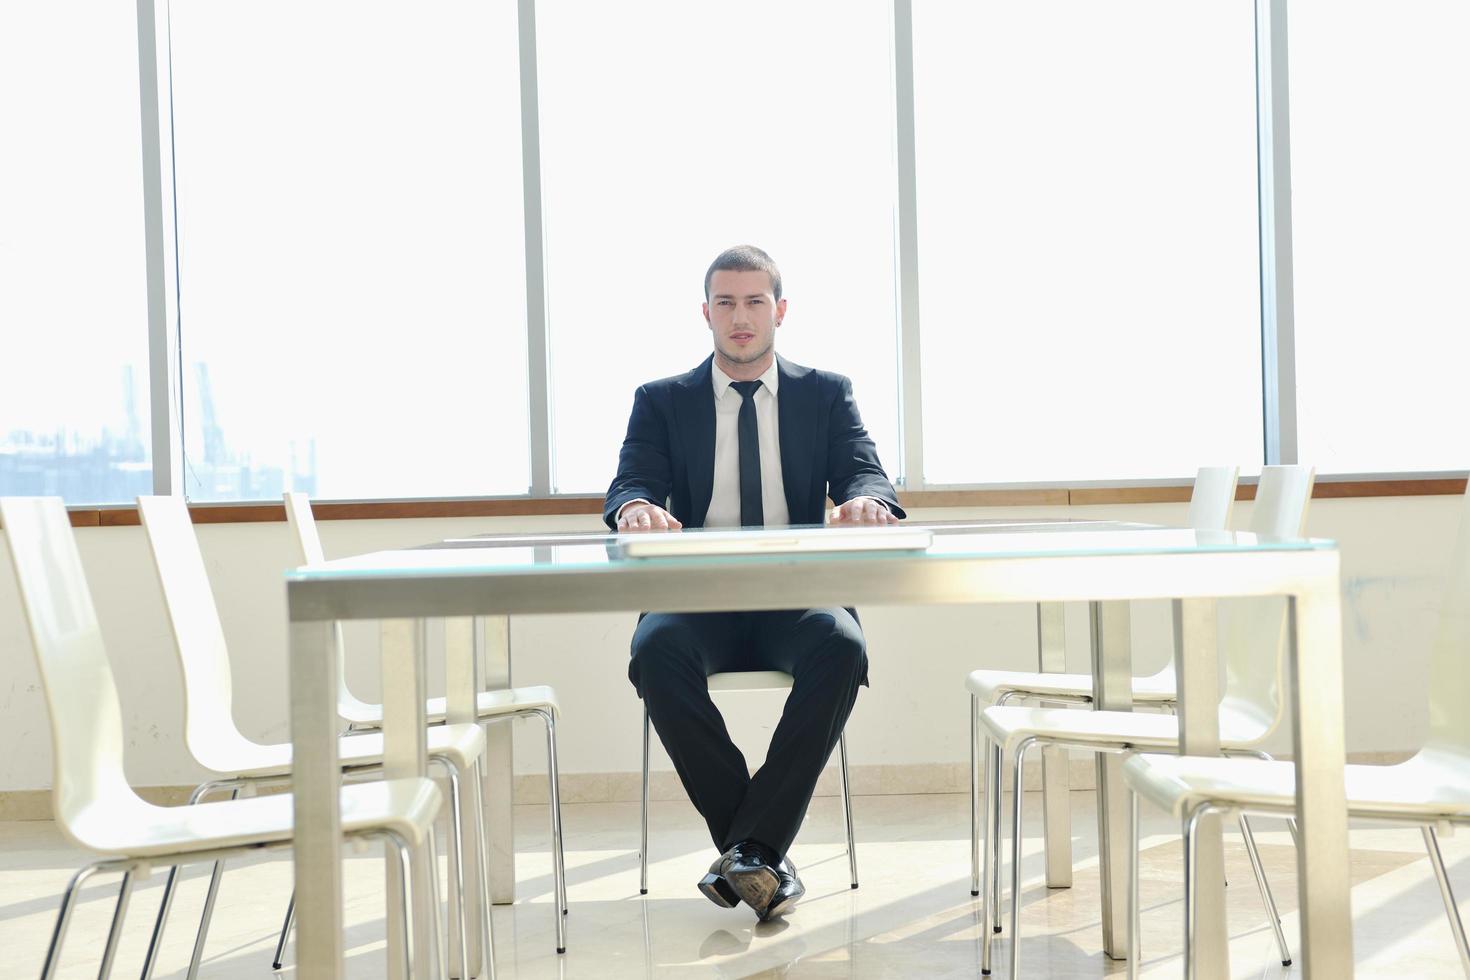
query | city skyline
(103,465)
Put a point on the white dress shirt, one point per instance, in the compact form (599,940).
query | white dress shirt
(724,502)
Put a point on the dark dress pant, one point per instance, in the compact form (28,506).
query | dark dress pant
(675,653)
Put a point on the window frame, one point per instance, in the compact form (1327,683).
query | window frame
(1273,153)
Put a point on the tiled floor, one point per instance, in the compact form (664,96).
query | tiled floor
(912,917)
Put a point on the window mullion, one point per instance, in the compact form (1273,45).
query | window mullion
(161,259)
(1273,161)
(910,379)
(537,337)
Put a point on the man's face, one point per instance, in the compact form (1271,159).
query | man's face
(743,315)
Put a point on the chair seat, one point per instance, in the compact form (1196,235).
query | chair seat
(1430,786)
(130,827)
(991,685)
(460,745)
(1010,724)
(751,680)
(488,704)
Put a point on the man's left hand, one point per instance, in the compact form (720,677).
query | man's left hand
(861,511)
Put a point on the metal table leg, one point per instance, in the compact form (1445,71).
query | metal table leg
(461,685)
(1315,678)
(404,658)
(1112,690)
(492,638)
(316,803)
(1056,803)
(1197,665)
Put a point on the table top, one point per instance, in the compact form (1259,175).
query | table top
(530,554)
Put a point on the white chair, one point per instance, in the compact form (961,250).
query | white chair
(1210,504)
(1252,708)
(1431,787)
(210,733)
(95,807)
(731,682)
(490,706)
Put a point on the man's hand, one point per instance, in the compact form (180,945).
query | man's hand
(861,511)
(647,517)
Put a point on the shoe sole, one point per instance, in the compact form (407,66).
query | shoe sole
(786,906)
(718,890)
(755,887)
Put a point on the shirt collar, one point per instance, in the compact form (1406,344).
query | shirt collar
(722,381)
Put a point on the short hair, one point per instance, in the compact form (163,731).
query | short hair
(744,258)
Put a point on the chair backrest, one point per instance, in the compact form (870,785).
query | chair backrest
(1253,631)
(199,638)
(1449,666)
(303,527)
(1213,497)
(309,552)
(1283,495)
(81,695)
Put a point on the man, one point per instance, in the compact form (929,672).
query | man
(748,439)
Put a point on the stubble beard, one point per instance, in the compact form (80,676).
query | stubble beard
(738,357)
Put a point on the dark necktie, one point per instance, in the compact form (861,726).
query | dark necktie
(752,513)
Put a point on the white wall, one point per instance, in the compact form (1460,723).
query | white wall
(1394,551)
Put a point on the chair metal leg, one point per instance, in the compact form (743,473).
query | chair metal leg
(214,877)
(643,841)
(847,810)
(975,795)
(997,790)
(1290,821)
(1016,797)
(155,942)
(198,955)
(558,861)
(63,919)
(487,941)
(285,932)
(1134,938)
(1268,757)
(109,952)
(1267,898)
(204,789)
(1452,911)
(437,960)
(456,846)
(553,767)
(405,906)
(994,754)
(170,887)
(1191,882)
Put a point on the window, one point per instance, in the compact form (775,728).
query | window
(73,301)
(1380,204)
(352,284)
(671,131)
(1088,247)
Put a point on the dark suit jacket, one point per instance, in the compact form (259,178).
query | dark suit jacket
(669,452)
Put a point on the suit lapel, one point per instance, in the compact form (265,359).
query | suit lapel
(697,429)
(794,410)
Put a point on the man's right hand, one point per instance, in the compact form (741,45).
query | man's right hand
(647,517)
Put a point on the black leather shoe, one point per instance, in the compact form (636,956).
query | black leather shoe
(788,892)
(746,872)
(715,888)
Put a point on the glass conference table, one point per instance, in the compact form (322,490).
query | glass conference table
(481,581)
